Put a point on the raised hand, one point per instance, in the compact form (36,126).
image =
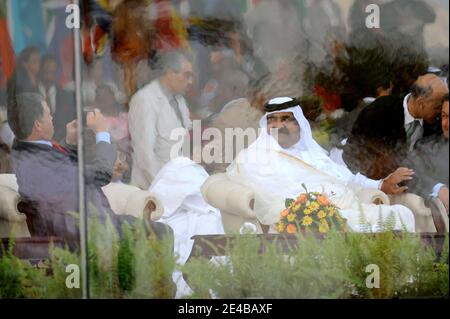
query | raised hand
(96,121)
(390,183)
(71,133)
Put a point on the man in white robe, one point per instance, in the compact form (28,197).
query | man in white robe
(177,187)
(285,156)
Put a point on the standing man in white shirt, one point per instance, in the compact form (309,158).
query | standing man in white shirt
(156,111)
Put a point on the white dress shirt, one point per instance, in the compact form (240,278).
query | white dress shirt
(409,119)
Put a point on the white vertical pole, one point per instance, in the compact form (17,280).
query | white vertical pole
(81,186)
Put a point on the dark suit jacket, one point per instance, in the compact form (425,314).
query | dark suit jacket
(383,119)
(377,143)
(429,160)
(344,125)
(48,180)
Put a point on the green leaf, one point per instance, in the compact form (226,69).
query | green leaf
(304,187)
(288,202)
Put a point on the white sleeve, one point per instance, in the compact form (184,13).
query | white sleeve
(358,178)
(436,189)
(366,182)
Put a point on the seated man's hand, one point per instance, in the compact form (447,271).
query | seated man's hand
(96,121)
(443,196)
(71,133)
(390,183)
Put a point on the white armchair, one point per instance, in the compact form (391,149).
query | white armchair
(123,199)
(12,222)
(235,202)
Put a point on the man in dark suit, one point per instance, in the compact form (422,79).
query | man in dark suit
(389,127)
(47,173)
(430,163)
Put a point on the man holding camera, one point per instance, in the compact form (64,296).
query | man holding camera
(47,173)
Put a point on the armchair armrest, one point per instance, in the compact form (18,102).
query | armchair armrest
(131,200)
(414,202)
(9,201)
(373,196)
(146,204)
(228,196)
(439,214)
(430,215)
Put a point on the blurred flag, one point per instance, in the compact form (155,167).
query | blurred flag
(27,24)
(6,49)
(96,28)
(169,26)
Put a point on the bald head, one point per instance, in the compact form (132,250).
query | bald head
(433,84)
(427,93)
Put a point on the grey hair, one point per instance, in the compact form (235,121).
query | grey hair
(23,111)
(421,91)
(173,61)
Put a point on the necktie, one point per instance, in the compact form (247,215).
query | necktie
(174,103)
(414,132)
(57,146)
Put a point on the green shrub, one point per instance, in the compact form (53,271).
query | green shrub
(332,267)
(131,267)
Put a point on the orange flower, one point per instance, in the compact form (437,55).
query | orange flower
(284,213)
(301,199)
(323,200)
(291,229)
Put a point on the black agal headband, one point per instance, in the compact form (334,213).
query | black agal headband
(272,107)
